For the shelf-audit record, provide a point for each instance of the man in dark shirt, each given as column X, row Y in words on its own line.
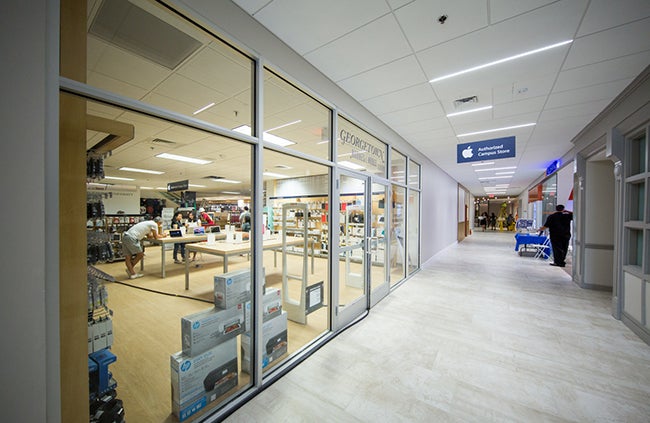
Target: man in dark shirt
column 559, row 228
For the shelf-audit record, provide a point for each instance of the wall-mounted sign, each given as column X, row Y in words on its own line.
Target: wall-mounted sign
column 553, row 167
column 498, row 148
column 178, row 186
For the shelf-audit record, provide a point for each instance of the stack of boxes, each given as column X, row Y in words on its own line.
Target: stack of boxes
column 274, row 330
column 207, row 367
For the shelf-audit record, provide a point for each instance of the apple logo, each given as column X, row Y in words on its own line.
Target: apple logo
column 467, row 153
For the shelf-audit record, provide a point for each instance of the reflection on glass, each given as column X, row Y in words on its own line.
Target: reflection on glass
column 182, row 68
column 378, row 236
column 132, row 184
column 637, row 155
column 397, row 167
column 352, row 240
column 636, row 200
column 296, row 260
column 358, row 150
column 414, row 231
column 397, row 249
column 414, row 175
column 293, row 119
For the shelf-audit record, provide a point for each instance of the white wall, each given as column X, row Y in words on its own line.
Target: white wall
column 22, row 174
column 565, row 186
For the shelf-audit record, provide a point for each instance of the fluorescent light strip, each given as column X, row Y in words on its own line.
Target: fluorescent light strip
column 483, row 164
column 225, row 181
column 273, row 139
column 133, row 169
column 204, row 108
column 495, row 168
column 497, row 62
column 182, row 158
column 146, row 188
column 504, row 173
column 118, row 178
column 231, row 192
column 350, row 165
column 196, row 186
column 496, row 130
column 469, row 111
column 275, row 175
column 285, row 125
column 494, row 177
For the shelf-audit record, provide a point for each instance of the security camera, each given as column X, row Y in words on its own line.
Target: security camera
column 442, row 19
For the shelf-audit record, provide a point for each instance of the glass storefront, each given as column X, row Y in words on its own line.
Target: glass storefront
column 168, row 137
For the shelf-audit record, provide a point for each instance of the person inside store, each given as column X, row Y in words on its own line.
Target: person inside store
column 206, row 220
column 246, row 224
column 559, row 229
column 132, row 248
column 177, row 223
column 191, row 223
column 244, row 214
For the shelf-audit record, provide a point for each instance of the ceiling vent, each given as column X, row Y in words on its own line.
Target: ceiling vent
column 214, row 178
column 463, row 101
column 125, row 25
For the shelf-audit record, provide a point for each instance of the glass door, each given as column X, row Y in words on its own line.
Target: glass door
column 352, row 289
column 377, row 251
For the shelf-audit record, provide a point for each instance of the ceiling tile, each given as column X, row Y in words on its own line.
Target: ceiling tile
column 419, row 20
column 382, row 80
column 503, row 9
column 621, row 41
column 605, row 14
column 323, row 21
column 372, row 45
column 601, row 72
column 414, row 114
column 592, row 93
column 516, row 108
column 401, row 99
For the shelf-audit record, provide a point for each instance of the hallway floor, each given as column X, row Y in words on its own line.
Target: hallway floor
column 480, row 334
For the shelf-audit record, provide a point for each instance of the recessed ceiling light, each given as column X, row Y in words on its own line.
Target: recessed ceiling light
column 478, row 109
column 497, row 62
column 285, row 125
column 133, row 169
column 226, row 181
column 231, row 192
column 204, row 108
column 146, row 187
column 495, row 168
column 483, row 164
column 275, row 175
column 351, row 165
column 504, row 173
column 196, row 186
column 183, row 158
column 505, row 128
column 281, row 166
column 493, row 177
column 273, row 139
column 118, row 178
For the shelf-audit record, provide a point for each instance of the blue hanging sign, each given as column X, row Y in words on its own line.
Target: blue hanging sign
column 553, row 167
column 498, row 148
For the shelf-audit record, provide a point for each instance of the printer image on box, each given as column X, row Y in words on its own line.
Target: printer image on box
column 199, row 380
column 206, row 329
column 232, row 288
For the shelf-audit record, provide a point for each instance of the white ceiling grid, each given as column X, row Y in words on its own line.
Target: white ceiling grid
column 384, row 53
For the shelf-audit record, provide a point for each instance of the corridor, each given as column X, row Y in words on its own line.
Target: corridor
column 479, row 334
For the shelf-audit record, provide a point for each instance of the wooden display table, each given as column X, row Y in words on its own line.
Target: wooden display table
column 227, row 249
column 185, row 239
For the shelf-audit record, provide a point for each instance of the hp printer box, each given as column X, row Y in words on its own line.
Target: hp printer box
column 274, row 342
column 206, row 329
column 271, row 306
column 232, row 288
column 200, row 380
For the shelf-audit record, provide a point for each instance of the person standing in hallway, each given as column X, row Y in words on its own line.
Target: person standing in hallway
column 559, row 228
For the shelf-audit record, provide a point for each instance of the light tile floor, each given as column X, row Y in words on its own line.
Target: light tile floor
column 479, row 335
